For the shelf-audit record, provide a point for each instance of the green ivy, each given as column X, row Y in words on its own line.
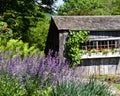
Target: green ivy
column 74, row 40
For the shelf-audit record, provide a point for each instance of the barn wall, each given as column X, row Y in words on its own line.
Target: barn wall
column 52, row 42
column 103, row 66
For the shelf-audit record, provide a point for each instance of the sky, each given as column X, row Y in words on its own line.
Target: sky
column 59, row 2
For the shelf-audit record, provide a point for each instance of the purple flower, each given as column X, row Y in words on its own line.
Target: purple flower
column 39, row 68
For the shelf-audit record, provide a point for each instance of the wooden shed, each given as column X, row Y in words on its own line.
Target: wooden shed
column 60, row 26
column 104, row 33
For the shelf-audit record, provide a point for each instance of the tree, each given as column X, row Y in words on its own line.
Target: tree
column 6, row 5
column 47, row 5
column 88, row 7
column 22, row 16
column 39, row 33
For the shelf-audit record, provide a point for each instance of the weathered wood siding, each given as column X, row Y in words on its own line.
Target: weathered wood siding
column 101, row 66
column 62, row 42
column 52, row 42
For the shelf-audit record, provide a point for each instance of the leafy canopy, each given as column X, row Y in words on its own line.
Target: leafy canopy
column 90, row 7
column 27, row 20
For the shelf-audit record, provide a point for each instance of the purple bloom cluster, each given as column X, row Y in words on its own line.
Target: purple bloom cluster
column 42, row 68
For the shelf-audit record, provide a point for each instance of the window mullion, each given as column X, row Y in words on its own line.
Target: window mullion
column 115, row 44
column 97, row 44
column 108, row 44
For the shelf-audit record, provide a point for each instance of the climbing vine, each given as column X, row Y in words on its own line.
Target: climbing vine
column 74, row 41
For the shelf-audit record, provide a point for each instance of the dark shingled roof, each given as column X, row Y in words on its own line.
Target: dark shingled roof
column 87, row 22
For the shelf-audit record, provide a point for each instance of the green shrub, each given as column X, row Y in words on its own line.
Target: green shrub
column 38, row 34
column 5, row 33
column 17, row 46
column 46, row 92
column 10, row 86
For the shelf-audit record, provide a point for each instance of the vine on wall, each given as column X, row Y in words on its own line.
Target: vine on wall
column 74, row 41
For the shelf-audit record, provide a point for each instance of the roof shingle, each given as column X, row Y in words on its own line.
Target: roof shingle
column 87, row 22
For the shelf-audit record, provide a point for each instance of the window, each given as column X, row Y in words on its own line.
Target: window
column 104, row 34
column 100, row 45
column 102, row 40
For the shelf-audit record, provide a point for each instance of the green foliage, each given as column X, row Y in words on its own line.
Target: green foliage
column 75, row 38
column 5, row 33
column 17, row 46
column 33, row 86
column 92, row 88
column 116, row 7
column 48, row 2
column 20, row 22
column 94, row 51
column 46, row 92
column 27, row 21
column 90, row 7
column 8, row 4
column 38, row 34
column 105, row 51
column 50, row 5
column 10, row 86
column 116, row 86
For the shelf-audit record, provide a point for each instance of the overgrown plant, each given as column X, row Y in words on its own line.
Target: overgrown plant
column 74, row 41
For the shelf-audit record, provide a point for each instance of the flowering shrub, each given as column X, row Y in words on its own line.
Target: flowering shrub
column 36, row 73
column 40, row 76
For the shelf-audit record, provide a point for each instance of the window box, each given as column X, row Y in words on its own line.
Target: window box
column 106, row 53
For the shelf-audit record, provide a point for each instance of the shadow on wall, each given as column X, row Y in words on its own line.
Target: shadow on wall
column 104, row 66
column 100, row 61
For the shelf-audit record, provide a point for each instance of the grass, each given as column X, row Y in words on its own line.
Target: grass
column 110, row 79
column 116, row 86
column 106, row 76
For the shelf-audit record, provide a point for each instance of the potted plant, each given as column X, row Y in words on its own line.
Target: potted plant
column 115, row 51
column 105, row 51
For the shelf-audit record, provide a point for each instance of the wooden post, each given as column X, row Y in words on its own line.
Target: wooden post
column 62, row 41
